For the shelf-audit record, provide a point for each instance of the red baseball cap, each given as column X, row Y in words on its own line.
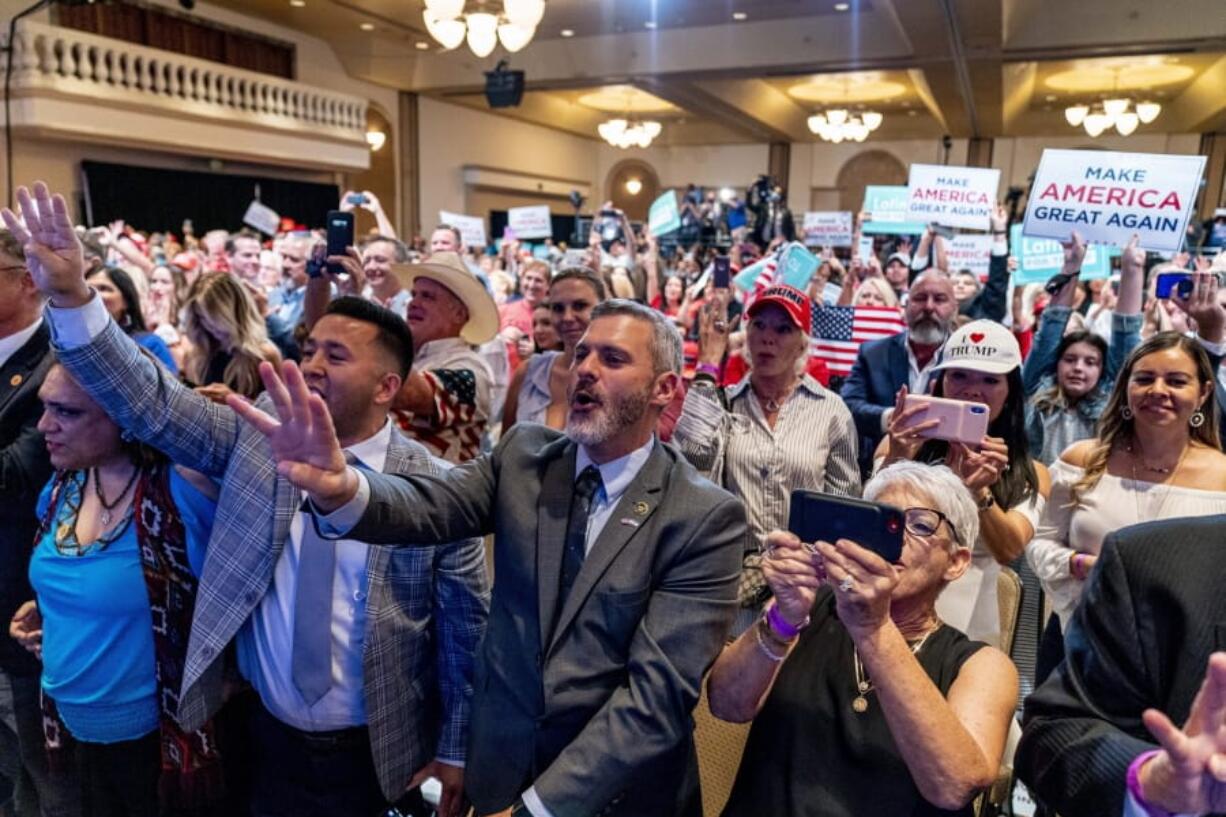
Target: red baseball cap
column 791, row 300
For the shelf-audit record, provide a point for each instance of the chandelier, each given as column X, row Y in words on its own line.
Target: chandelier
column 628, row 133
column 1112, row 113
column 837, row 125
column 514, row 28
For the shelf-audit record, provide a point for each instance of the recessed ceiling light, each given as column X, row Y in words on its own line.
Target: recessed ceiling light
column 297, row 3
column 568, row 32
column 367, row 26
column 1051, row 98
column 739, row 15
column 841, row 6
column 650, row 24
column 422, row 45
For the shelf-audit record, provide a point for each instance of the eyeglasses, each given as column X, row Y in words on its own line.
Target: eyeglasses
column 925, row 522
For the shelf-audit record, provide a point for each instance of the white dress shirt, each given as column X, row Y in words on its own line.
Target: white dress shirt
column 10, row 344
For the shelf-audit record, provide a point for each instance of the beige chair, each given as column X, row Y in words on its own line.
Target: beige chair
column 1009, row 602
column 719, row 745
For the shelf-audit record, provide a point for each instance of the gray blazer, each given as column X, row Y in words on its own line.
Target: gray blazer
column 595, row 712
column 417, row 666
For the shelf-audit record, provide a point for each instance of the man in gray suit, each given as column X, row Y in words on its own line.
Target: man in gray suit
column 362, row 656
column 616, row 568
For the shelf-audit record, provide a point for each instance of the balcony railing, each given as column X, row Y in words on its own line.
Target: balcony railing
column 63, row 63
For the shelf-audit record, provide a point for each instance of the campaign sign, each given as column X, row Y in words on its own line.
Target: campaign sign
column 886, row 206
column 970, row 252
column 952, row 196
column 827, row 229
column 747, row 278
column 530, row 222
column 472, row 228
column 262, row 217
column 796, row 266
column 1107, row 197
column 1041, row 258
column 663, row 217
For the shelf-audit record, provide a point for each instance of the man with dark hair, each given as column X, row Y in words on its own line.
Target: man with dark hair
column 361, row 656
column 25, row 357
column 243, row 254
column 446, row 238
column 617, row 569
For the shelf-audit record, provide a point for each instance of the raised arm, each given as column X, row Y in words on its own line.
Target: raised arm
column 1041, row 361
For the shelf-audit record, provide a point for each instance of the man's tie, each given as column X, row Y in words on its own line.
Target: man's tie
column 586, row 487
column 311, row 662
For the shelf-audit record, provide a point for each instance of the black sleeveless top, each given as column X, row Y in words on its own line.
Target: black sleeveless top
column 809, row 754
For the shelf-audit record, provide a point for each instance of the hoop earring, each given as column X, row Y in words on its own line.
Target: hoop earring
column 1197, row 419
column 1126, row 413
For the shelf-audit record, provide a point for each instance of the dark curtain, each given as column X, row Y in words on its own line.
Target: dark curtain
column 153, row 199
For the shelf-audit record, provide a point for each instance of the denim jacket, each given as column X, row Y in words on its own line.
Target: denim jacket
column 1039, row 370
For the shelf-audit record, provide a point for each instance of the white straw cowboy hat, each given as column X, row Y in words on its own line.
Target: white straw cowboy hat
column 449, row 270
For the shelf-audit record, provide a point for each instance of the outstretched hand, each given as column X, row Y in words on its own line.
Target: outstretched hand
column 53, row 251
column 302, row 437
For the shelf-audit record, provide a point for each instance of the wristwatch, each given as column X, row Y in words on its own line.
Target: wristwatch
column 986, row 503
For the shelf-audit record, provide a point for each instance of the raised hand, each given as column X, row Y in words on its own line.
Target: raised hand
column 999, row 219
column 302, row 438
column 907, row 430
column 794, row 578
column 1074, row 252
column 1188, row 776
column 1202, row 305
column 53, row 251
column 978, row 469
column 1132, row 259
column 864, row 606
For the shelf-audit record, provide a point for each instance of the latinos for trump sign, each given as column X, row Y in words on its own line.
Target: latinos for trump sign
column 1107, row 197
column 663, row 216
column 831, row 229
column 1040, row 258
column 886, row 206
column 952, row 196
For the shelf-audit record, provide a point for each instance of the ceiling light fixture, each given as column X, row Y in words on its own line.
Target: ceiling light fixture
column 1112, row 113
column 367, row 26
column 376, row 139
column 838, row 125
column 567, row 32
column 739, row 15
column 841, row 6
column 297, row 3
column 514, row 28
column 627, row 133
column 422, row 45
column 634, row 186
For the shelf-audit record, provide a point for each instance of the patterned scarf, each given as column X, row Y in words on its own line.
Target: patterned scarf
column 191, row 771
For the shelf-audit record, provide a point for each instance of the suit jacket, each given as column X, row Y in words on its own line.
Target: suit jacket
column 1153, row 611
column 880, row 370
column 417, row 661
column 595, row 711
column 24, row 470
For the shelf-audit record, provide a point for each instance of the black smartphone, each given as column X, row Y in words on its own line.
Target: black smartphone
column 829, row 517
column 1170, row 284
column 722, row 271
column 340, row 236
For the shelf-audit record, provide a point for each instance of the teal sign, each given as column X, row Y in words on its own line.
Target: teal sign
column 887, row 209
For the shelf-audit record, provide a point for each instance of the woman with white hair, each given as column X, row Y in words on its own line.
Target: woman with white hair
column 862, row 700
column 775, row 430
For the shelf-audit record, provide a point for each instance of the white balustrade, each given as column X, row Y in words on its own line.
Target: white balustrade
column 76, row 62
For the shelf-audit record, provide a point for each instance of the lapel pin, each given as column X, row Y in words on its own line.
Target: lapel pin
column 625, row 520
column 15, row 380
column 641, row 508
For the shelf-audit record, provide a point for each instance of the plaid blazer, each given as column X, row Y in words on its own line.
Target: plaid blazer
column 426, row 606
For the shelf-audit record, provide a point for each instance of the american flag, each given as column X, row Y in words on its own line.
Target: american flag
column 838, row 332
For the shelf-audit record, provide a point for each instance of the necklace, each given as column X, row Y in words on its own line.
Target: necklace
column 864, row 684
column 1136, row 457
column 107, row 507
column 772, row 405
column 1167, row 472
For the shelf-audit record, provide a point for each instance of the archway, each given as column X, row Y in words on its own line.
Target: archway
column 380, row 177
column 632, row 185
column 869, row 167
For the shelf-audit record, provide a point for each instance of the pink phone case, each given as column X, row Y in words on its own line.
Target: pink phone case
column 960, row 422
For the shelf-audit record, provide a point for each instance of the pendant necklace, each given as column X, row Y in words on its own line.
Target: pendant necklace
column 864, row 686
column 107, row 507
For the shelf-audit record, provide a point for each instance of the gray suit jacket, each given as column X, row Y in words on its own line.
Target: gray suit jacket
column 417, row 666
column 595, row 711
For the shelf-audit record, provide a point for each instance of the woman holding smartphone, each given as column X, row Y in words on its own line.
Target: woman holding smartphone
column 862, row 700
column 980, row 363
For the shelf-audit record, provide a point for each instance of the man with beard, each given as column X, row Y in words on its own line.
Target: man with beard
column 884, row 366
column 616, row 566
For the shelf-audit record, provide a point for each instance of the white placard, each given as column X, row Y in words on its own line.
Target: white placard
column 970, row 252
column 952, row 196
column 1107, row 197
column 262, row 217
column 827, row 229
column 530, row 222
column 865, row 250
column 472, row 228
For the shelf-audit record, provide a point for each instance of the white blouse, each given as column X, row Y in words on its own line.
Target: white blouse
column 1112, row 504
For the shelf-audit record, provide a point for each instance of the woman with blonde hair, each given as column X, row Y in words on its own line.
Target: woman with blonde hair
column 222, row 322
column 874, row 292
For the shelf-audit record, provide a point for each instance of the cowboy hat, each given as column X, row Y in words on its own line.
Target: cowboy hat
column 449, row 270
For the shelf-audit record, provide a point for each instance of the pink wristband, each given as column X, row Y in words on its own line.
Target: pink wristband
column 780, row 625
column 708, row 368
column 1134, row 784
